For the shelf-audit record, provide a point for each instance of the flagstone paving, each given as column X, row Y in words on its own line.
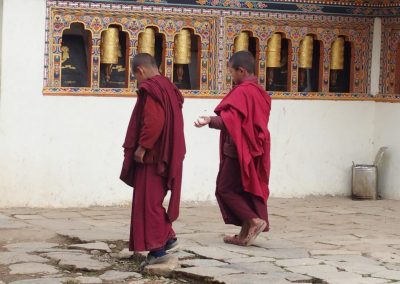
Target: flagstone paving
column 312, row 240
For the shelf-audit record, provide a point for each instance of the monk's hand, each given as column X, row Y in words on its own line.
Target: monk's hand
column 139, row 154
column 202, row 121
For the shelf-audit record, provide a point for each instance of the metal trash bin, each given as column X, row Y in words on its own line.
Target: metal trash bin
column 365, row 182
column 365, row 179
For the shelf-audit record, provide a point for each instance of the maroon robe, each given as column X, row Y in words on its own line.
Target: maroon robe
column 157, row 125
column 242, row 184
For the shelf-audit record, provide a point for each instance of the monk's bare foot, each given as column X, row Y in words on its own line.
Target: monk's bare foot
column 234, row 240
column 256, row 227
column 244, row 231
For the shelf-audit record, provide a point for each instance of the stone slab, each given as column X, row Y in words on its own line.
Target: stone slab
column 29, row 217
column 215, row 253
column 95, row 234
column 41, row 281
column 386, row 256
column 101, row 246
column 357, row 267
column 16, row 257
column 32, row 268
column 202, row 262
column 30, row 246
column 327, row 273
column 88, row 280
column 113, row 275
column 208, row 272
column 298, row 262
column 250, row 259
column 78, row 261
column 251, row 278
column 123, row 254
column 61, row 215
column 255, row 267
column 162, row 269
column 182, row 254
column 334, row 252
column 11, row 224
column 388, row 274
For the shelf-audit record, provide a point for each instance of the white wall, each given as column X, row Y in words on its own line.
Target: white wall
column 1, row 38
column 314, row 144
column 54, row 151
column 66, row 151
column 387, row 133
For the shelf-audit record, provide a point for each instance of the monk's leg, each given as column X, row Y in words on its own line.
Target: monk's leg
column 231, row 198
column 150, row 226
column 257, row 225
column 238, row 207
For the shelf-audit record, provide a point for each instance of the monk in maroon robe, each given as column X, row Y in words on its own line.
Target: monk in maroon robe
column 242, row 183
column 154, row 152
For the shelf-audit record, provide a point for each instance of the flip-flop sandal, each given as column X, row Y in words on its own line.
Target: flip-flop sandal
column 249, row 240
column 234, row 240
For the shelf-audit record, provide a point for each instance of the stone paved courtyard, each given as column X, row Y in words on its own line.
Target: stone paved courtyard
column 312, row 240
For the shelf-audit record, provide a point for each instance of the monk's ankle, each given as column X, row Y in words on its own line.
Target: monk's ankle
column 254, row 222
column 243, row 232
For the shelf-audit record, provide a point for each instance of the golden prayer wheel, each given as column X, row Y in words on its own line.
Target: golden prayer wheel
column 147, row 41
column 242, row 42
column 337, row 58
column 306, row 52
column 182, row 49
column 274, row 51
column 110, row 47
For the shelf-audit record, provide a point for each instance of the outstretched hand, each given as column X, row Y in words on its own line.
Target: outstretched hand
column 202, row 121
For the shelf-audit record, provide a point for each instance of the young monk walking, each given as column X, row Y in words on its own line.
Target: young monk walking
column 242, row 183
column 154, row 151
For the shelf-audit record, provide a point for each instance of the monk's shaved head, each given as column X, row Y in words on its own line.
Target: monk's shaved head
column 243, row 59
column 143, row 60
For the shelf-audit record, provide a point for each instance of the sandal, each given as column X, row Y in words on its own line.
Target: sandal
column 252, row 235
column 150, row 260
column 234, row 240
column 171, row 244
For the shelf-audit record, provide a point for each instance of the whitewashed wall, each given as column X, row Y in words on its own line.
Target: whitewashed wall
column 313, row 146
column 387, row 133
column 66, row 151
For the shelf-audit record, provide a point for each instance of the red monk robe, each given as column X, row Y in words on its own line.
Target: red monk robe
column 242, row 183
column 156, row 125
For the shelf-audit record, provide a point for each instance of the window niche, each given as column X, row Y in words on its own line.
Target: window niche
column 186, row 73
column 278, row 58
column 245, row 41
column 309, row 75
column 114, row 58
column 153, row 43
column 341, row 66
column 76, row 49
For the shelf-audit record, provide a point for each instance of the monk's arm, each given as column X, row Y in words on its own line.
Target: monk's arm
column 217, row 123
column 153, row 123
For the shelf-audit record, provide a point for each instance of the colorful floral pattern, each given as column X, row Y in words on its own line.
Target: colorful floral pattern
column 390, row 54
column 234, row 4
column 217, row 31
column 262, row 4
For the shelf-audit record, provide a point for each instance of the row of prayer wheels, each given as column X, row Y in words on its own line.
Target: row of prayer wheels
column 305, row 54
column 110, row 47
